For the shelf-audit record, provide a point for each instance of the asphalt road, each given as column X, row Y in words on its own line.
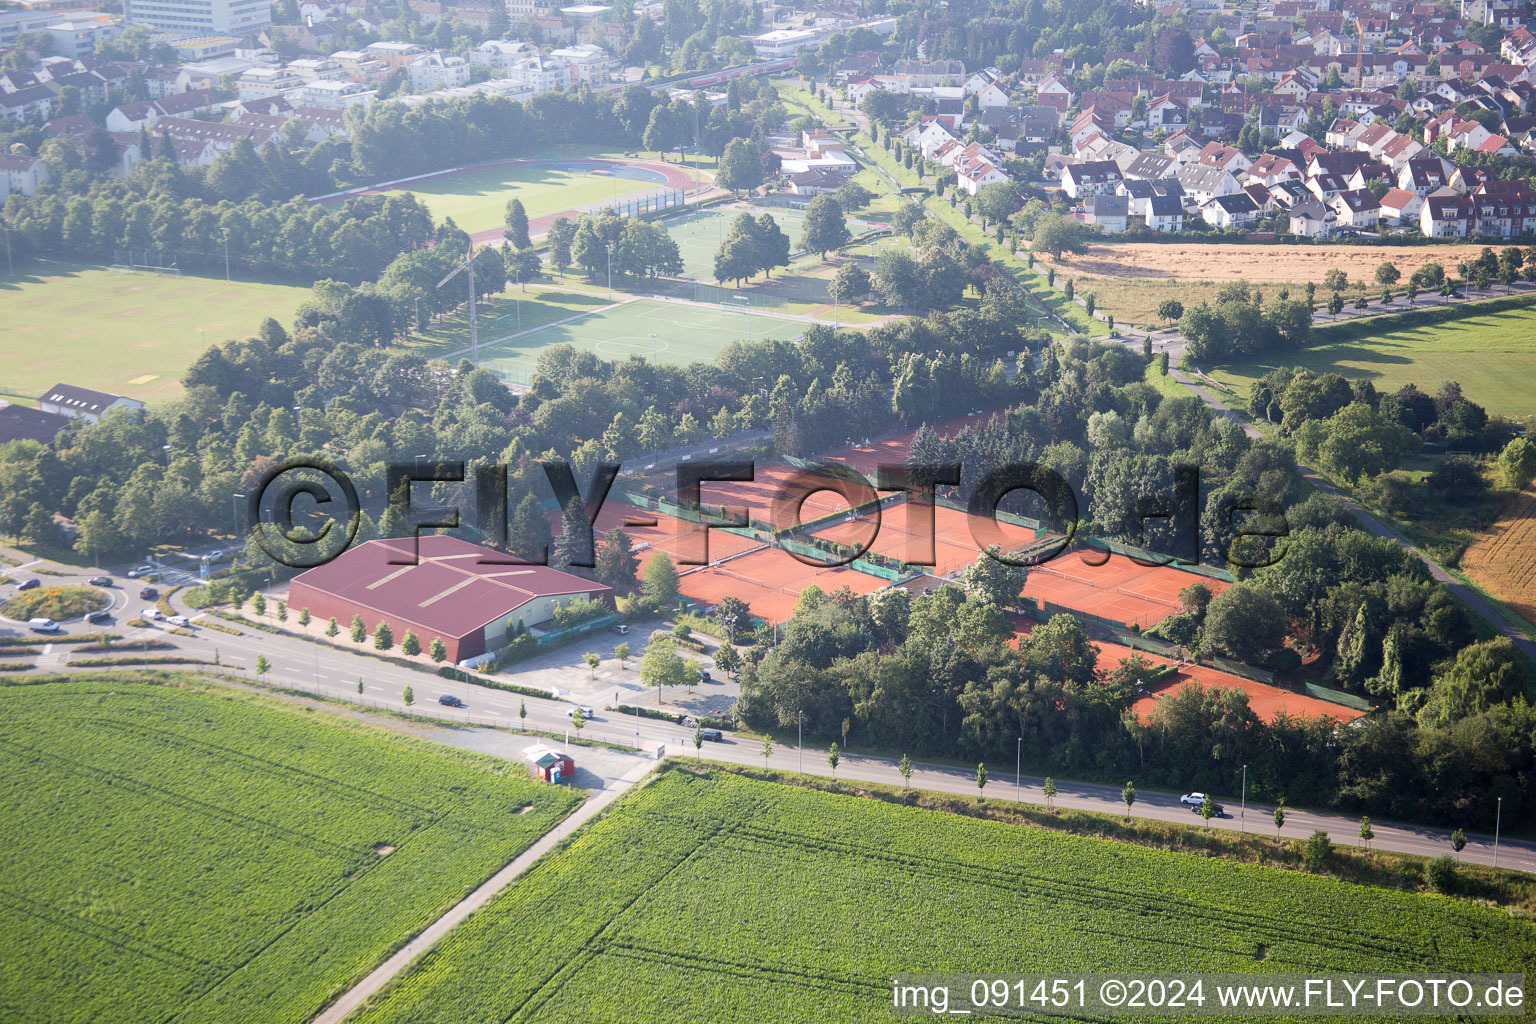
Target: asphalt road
column 334, row 672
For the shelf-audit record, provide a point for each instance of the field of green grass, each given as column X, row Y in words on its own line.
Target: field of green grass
column 1492, row 355
column 684, row 334
column 698, row 235
column 177, row 850
column 132, row 334
column 477, row 200
column 502, row 314
column 708, row 897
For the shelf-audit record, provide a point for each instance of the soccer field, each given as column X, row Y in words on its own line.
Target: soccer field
column 669, row 332
column 477, row 200
column 708, row 897
column 132, row 334
column 698, row 235
column 1493, row 356
column 177, row 850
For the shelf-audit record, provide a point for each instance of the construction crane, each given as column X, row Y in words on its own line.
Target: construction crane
column 474, row 323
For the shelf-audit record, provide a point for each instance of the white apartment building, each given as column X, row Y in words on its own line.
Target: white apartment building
column 201, row 17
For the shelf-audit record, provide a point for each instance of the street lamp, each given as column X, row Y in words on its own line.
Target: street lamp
column 1243, row 810
column 800, row 748
column 1018, row 762
column 1497, row 822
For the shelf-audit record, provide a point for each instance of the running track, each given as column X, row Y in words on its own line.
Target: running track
column 674, row 175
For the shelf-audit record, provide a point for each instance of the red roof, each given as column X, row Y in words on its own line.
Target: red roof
column 455, row 587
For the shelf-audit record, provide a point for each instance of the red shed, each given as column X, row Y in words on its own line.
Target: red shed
column 554, row 766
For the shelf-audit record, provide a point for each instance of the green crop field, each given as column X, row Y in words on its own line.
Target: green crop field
column 711, row 898
column 1493, row 356
column 132, row 334
column 684, row 334
column 177, row 850
column 477, row 200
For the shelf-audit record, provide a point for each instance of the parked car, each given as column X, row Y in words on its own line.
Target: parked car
column 704, row 675
column 586, row 712
column 148, row 594
column 31, row 584
column 449, row 700
column 621, row 629
column 179, row 620
column 100, row 581
column 100, row 615
column 42, row 625
column 713, row 735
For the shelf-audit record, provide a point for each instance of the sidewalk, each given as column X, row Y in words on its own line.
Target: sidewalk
column 355, row 996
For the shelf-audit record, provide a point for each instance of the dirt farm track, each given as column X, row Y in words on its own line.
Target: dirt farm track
column 1290, row 264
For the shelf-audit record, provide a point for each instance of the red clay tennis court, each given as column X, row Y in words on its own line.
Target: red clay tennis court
column 768, row 482
column 899, row 536
column 1119, row 589
column 770, row 581
column 1265, row 700
column 677, row 537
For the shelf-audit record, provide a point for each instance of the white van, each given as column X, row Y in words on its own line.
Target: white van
column 42, row 625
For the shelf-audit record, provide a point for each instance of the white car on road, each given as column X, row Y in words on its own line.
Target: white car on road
column 587, row 712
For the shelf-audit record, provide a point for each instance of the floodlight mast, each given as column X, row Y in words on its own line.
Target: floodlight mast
column 474, row 323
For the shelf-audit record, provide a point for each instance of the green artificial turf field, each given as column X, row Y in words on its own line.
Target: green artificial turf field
column 1492, row 355
column 477, row 200
column 182, row 851
column 131, row 334
column 707, row 897
column 684, row 334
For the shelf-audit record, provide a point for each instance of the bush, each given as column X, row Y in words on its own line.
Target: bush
column 58, row 603
column 1317, row 852
column 1440, row 874
column 576, row 611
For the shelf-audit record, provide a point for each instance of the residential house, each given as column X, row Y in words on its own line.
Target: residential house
column 1110, row 214
column 1090, row 178
column 1166, row 214
column 33, row 104
column 1203, row 182
column 1424, row 174
column 1400, row 207
column 1357, row 208
column 1446, row 216
column 436, row 70
column 22, row 173
column 1310, row 218
column 1235, row 211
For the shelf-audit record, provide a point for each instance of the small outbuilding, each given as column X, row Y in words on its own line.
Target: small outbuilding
column 555, row 766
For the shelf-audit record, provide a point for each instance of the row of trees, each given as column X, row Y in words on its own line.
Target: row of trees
column 939, row 675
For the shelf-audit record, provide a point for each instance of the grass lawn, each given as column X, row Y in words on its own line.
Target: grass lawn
column 698, row 235
column 477, row 200
column 178, row 850
column 1135, row 300
column 683, row 334
column 709, row 897
column 1493, row 356
column 500, row 315
column 132, row 334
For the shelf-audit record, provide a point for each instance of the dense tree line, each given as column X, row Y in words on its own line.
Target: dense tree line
column 940, row 675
